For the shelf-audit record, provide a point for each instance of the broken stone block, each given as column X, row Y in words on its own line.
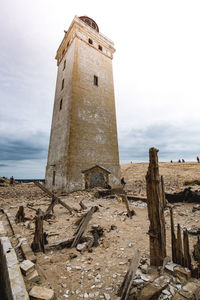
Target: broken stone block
column 33, row 276
column 190, row 291
column 3, row 232
column 154, row 289
column 81, row 247
column 183, row 274
column 27, row 267
column 41, row 293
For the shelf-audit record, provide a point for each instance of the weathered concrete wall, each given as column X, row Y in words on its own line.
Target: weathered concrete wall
column 11, row 277
column 84, row 134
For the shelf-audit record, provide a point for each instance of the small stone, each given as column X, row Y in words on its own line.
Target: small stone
column 91, row 295
column 106, row 296
column 33, row 276
column 96, row 294
column 78, row 268
column 41, row 293
column 144, row 268
column 85, row 296
column 137, row 281
column 27, row 267
column 98, row 278
column 130, row 244
column 69, row 269
column 114, row 276
column 166, row 292
column 81, row 247
column 122, row 249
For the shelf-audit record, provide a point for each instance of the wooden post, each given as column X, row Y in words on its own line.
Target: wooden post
column 163, row 191
column 179, row 247
column 173, row 237
column 124, row 197
column 187, row 257
column 157, row 234
column 128, row 279
column 20, row 216
column 38, row 241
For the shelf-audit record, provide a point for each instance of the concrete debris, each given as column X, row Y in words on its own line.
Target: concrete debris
column 41, row 293
column 27, row 267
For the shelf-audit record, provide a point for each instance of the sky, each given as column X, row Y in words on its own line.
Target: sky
column 156, row 71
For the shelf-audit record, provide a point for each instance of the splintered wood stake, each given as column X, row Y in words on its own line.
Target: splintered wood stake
column 157, row 234
column 173, row 236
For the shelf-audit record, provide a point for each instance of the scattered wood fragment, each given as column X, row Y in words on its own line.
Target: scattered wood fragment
column 157, row 233
column 20, row 216
column 83, row 206
column 185, row 196
column 108, row 192
column 187, row 257
column 124, row 197
column 136, row 198
column 38, row 241
column 50, row 194
column 128, row 279
column 173, row 237
column 83, row 225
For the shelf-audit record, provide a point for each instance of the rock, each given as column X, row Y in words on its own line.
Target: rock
column 85, row 296
column 166, row 292
column 130, row 244
column 33, row 276
column 106, row 296
column 182, row 273
column 81, row 247
column 41, row 293
column 144, row 268
column 27, row 267
column 190, row 291
column 98, row 278
column 170, row 267
column 154, row 289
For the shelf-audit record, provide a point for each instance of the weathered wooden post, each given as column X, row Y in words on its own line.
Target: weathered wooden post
column 179, row 247
column 187, row 257
column 173, row 237
column 163, row 191
column 38, row 241
column 157, row 234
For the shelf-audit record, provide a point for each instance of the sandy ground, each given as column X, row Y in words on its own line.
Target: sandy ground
column 91, row 275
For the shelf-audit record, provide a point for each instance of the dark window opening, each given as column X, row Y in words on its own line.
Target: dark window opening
column 64, row 65
column 90, row 41
column 63, row 83
column 95, row 80
column 100, row 48
column 61, row 102
column 54, row 177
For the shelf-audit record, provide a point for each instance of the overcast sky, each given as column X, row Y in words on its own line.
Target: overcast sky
column 156, row 75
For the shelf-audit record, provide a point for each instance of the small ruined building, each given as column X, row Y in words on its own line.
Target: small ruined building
column 83, row 131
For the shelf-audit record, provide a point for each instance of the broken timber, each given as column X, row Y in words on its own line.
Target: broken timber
column 173, row 237
column 54, row 197
column 128, row 279
column 38, row 241
column 157, row 234
column 83, row 225
column 20, row 216
column 124, row 197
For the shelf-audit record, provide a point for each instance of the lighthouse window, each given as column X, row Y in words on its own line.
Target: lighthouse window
column 54, row 178
column 90, row 41
column 100, row 48
column 61, row 102
column 63, row 82
column 95, row 80
column 64, row 65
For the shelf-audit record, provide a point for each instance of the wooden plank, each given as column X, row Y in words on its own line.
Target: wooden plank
column 186, row 247
column 173, row 237
column 50, row 194
column 128, row 279
column 157, row 233
column 124, row 197
column 82, row 226
column 179, row 247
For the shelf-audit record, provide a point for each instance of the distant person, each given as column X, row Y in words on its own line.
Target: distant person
column 179, row 160
column 123, row 183
column 197, row 159
column 171, row 161
column 11, row 180
column 183, row 160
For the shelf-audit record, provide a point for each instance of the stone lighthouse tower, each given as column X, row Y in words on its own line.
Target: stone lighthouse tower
column 83, row 148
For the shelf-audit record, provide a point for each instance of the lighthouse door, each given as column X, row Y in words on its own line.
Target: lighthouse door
column 97, row 179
